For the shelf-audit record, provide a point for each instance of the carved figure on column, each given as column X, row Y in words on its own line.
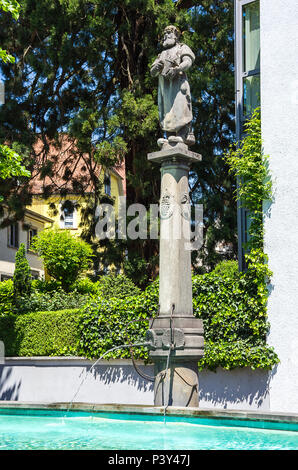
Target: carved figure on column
column 174, row 99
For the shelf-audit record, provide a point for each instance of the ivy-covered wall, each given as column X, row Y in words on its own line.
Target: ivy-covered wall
column 232, row 306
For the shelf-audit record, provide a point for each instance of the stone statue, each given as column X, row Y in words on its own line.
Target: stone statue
column 174, row 99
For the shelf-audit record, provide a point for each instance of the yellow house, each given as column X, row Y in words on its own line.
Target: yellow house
column 66, row 211
column 63, row 207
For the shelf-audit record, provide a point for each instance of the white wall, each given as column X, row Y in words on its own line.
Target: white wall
column 7, row 254
column 279, row 104
column 52, row 380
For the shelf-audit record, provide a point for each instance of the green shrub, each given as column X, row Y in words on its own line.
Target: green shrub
column 86, row 286
column 114, row 322
column 6, row 297
column 51, row 301
column 119, row 286
column 42, row 285
column 64, row 256
column 233, row 311
column 22, row 274
column 226, row 269
column 41, row 333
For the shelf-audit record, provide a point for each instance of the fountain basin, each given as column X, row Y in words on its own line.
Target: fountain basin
column 124, row 427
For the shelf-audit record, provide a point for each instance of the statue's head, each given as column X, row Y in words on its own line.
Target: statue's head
column 171, row 36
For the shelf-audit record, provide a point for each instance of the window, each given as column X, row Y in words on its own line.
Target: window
column 248, row 86
column 6, row 277
column 68, row 215
column 251, row 57
column 247, row 53
column 107, row 184
column 13, row 235
column 34, row 274
column 32, row 232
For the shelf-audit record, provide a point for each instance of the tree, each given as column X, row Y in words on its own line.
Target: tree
column 83, row 70
column 10, row 161
column 65, row 257
column 22, row 274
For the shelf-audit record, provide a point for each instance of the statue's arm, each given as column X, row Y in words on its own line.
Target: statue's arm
column 185, row 64
column 156, row 67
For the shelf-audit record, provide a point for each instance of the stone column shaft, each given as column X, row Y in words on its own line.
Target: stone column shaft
column 176, row 337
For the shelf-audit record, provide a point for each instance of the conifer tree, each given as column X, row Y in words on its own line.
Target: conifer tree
column 22, row 274
column 82, row 68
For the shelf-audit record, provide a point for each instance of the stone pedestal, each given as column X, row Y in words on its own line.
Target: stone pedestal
column 176, row 337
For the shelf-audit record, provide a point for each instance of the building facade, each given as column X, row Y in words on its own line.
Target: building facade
column 267, row 74
column 22, row 232
column 62, row 209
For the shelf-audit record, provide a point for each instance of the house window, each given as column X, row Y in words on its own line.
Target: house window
column 107, row 184
column 34, row 274
column 68, row 215
column 32, row 232
column 13, row 235
column 247, row 28
column 248, row 86
column 251, row 57
column 6, row 277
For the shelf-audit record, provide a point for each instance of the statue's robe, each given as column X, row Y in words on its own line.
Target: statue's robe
column 174, row 99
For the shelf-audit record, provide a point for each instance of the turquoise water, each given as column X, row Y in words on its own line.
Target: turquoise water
column 34, row 430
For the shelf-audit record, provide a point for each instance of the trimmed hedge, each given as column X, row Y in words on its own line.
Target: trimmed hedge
column 41, row 333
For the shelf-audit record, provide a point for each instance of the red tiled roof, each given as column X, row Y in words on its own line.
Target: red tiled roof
column 68, row 168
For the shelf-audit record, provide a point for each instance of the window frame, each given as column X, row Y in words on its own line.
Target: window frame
column 74, row 218
column 240, row 74
column 106, row 177
column 16, row 243
column 29, row 249
column 239, row 65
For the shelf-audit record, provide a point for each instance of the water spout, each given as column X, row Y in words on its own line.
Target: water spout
column 97, row 361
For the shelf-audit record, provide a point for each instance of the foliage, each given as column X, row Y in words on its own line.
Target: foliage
column 50, row 301
column 233, row 310
column 22, row 274
column 45, row 285
column 6, row 297
column 85, row 286
column 212, row 88
column 226, row 269
column 82, row 69
column 10, row 161
column 13, row 7
column 248, row 163
column 41, row 333
column 114, row 322
column 120, row 286
column 65, row 257
column 237, row 354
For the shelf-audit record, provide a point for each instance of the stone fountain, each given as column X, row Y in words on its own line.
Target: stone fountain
column 176, row 336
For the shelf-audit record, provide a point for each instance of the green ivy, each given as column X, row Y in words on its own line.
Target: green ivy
column 249, row 164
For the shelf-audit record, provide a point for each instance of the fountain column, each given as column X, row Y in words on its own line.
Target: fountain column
column 176, row 336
